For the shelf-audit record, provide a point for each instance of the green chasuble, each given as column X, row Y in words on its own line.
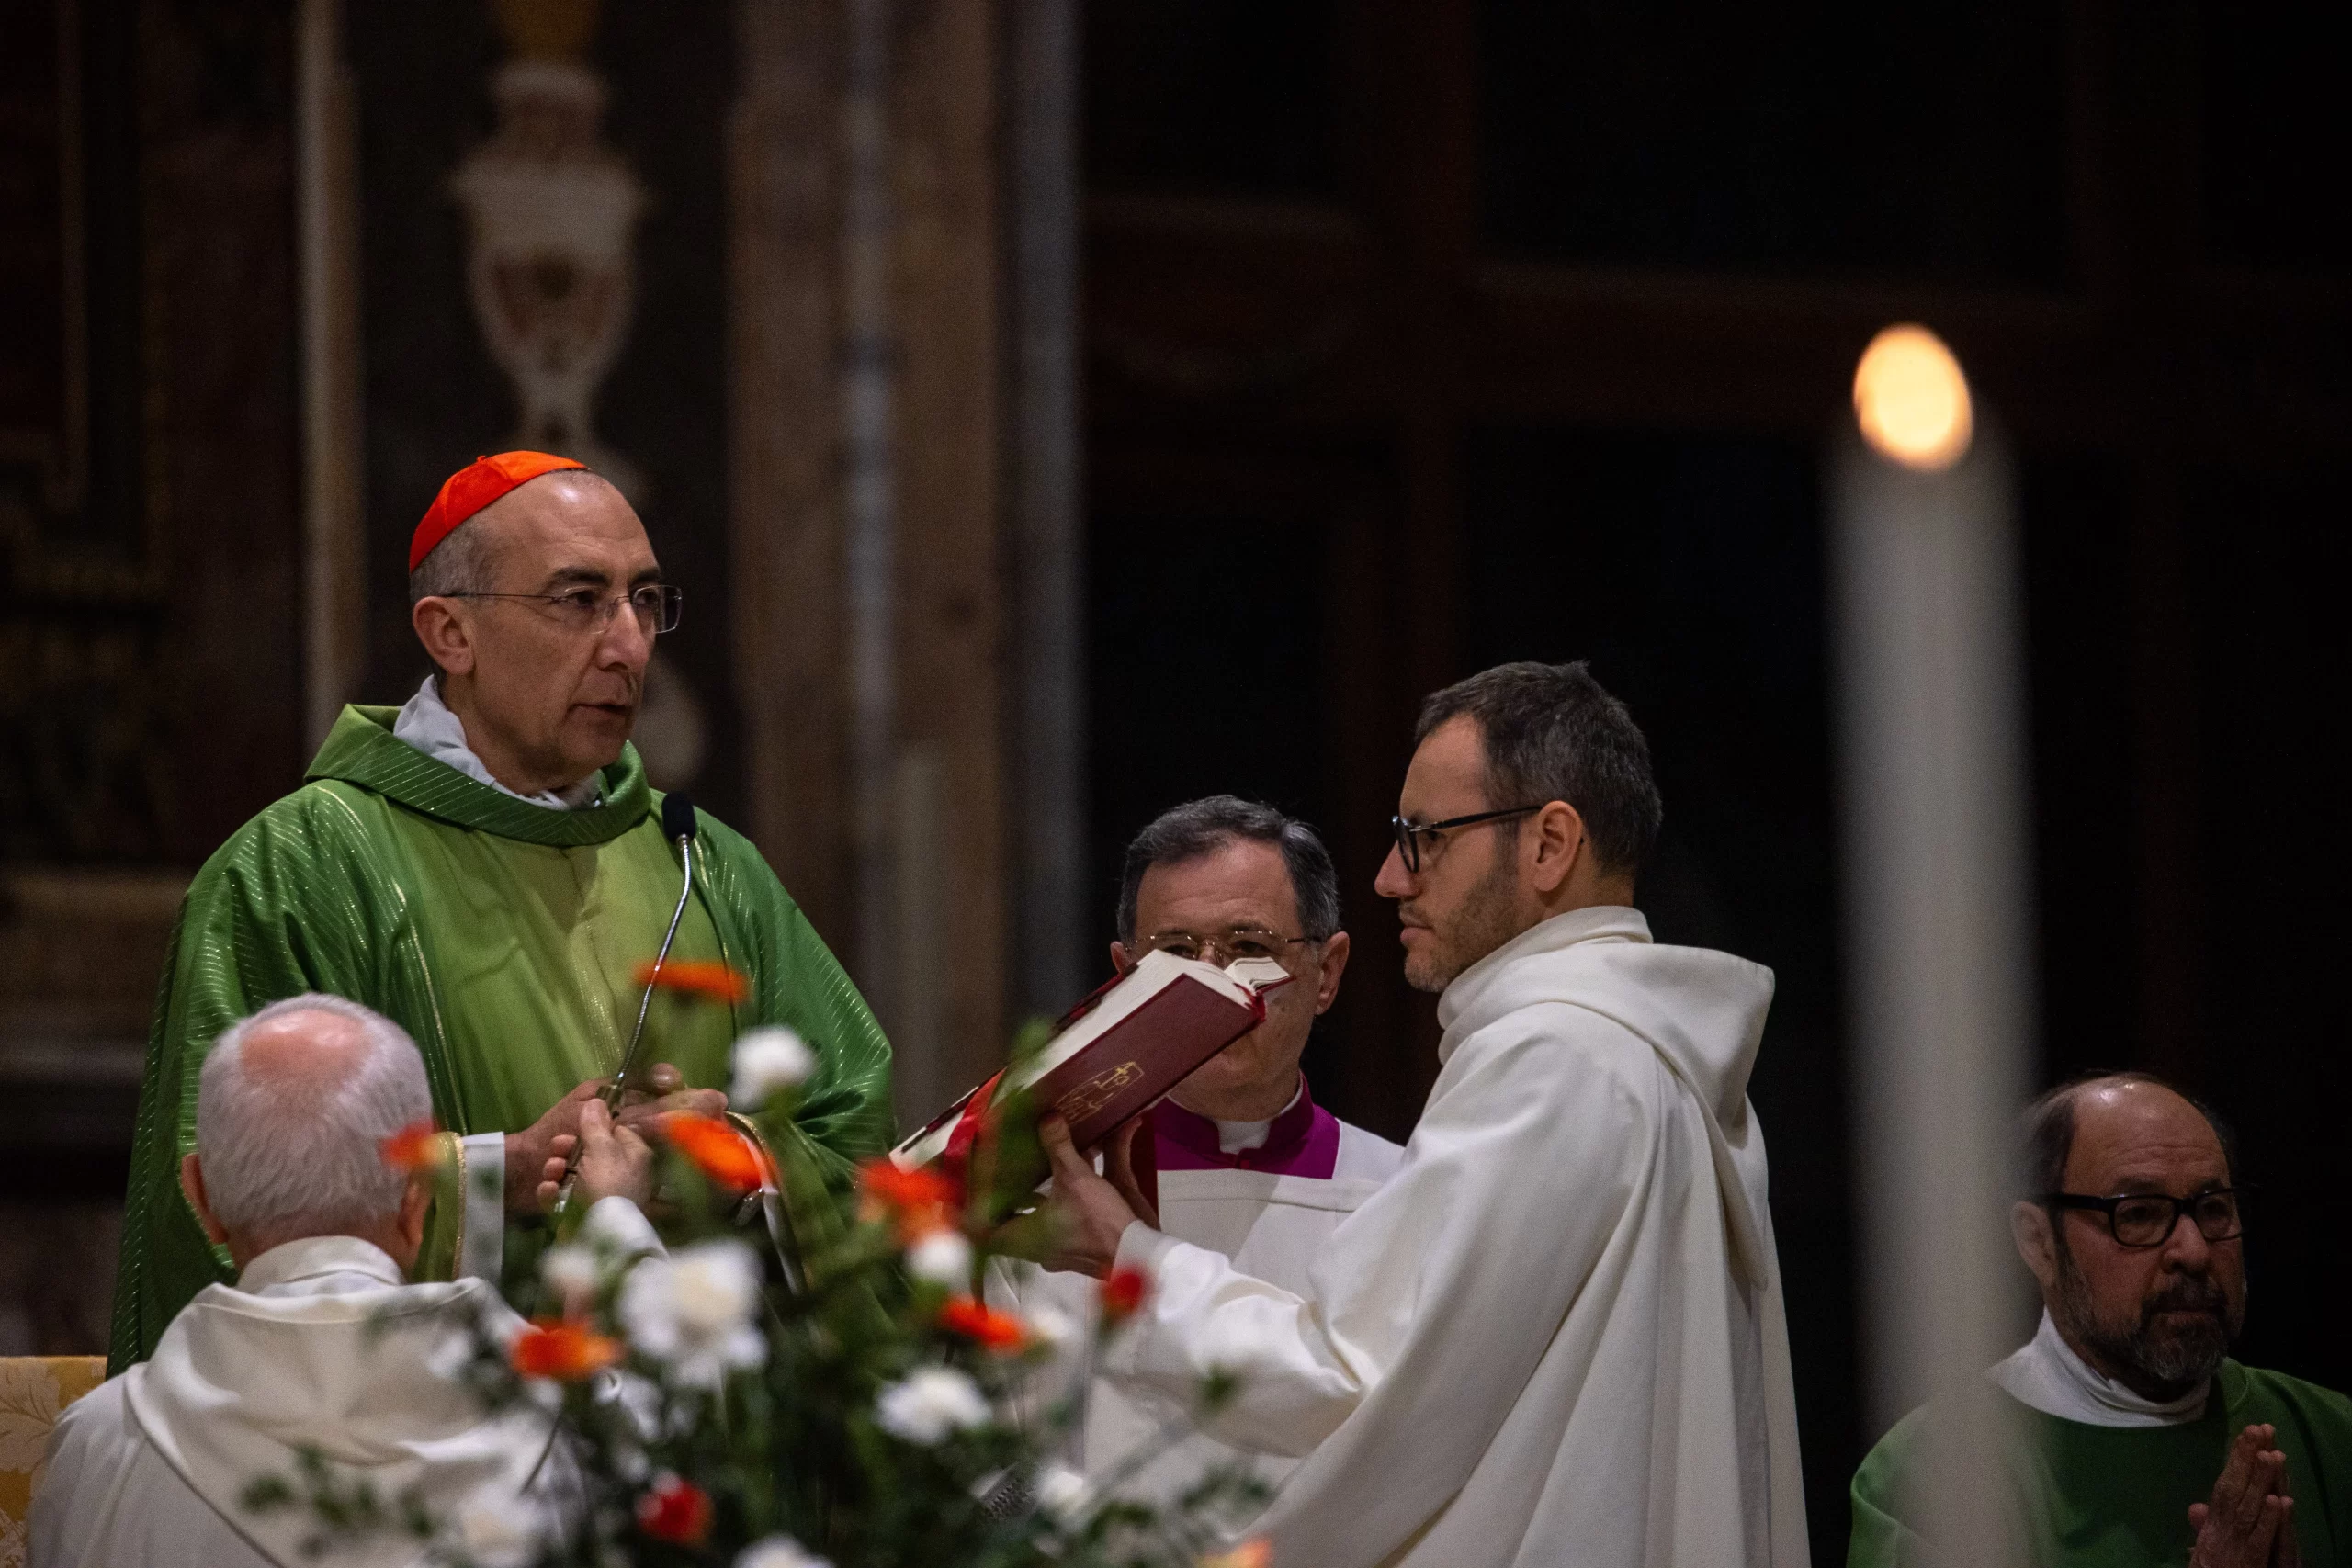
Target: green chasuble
column 2119, row 1496
column 504, row 937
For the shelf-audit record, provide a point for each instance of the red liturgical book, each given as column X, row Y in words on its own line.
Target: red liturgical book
column 1118, row 1051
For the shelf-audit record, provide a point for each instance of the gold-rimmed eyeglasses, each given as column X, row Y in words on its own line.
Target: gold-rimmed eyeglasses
column 1221, row 947
column 657, row 605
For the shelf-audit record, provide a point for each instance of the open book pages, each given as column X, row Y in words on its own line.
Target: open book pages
column 1161, row 1020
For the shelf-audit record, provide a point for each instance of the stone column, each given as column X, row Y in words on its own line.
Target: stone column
column 874, row 580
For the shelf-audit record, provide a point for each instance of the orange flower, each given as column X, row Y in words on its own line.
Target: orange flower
column 675, row 1510
column 1123, row 1293
column 718, row 1150
column 917, row 1200
column 999, row 1331
column 564, row 1351
column 1257, row 1553
column 711, row 981
column 415, row 1148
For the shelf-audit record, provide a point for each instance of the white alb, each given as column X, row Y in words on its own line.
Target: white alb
column 321, row 1342
column 1556, row 1334
column 1271, row 1227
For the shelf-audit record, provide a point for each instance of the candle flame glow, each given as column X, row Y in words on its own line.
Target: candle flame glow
column 1912, row 401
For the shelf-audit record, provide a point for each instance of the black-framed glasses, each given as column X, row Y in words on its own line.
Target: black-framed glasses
column 1233, row 942
column 657, row 605
column 2147, row 1219
column 1411, row 834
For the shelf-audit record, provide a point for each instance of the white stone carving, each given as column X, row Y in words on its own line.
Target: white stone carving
column 553, row 213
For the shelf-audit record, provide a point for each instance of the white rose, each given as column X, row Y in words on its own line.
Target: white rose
column 1053, row 1328
column 694, row 1311
column 779, row 1552
column 1063, row 1495
column 929, row 1402
column 570, row 1271
column 498, row 1535
column 766, row 1060
column 942, row 1257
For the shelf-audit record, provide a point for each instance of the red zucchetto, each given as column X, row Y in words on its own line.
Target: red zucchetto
column 474, row 487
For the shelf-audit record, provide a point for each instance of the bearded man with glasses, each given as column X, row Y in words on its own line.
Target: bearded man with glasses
column 2132, row 1438
column 487, row 867
column 1556, row 1334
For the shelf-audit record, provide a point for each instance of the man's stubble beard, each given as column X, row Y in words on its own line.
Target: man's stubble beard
column 2171, row 1355
column 1488, row 919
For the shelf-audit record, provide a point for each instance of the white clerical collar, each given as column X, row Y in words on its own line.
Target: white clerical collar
column 427, row 723
column 306, row 1267
column 2048, row 1376
column 1233, row 1137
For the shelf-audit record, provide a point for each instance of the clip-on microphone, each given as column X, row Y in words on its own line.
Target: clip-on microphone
column 678, row 827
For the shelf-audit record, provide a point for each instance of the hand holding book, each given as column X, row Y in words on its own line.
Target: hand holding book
column 1116, row 1054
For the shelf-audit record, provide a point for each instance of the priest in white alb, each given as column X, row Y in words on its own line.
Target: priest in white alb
column 1556, row 1335
column 322, row 1343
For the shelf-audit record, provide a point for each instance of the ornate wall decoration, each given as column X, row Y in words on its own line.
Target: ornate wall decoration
column 552, row 213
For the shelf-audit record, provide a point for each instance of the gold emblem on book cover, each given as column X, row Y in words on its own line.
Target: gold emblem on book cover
column 1097, row 1092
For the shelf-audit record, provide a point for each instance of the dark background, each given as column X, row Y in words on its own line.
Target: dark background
column 433, row 395
column 1425, row 336
column 1416, row 334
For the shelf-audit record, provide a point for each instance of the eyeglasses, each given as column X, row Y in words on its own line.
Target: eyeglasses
column 2143, row 1220
column 657, row 606
column 1233, row 942
column 1409, row 834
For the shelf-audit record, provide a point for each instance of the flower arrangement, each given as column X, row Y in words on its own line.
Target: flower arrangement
column 831, row 1388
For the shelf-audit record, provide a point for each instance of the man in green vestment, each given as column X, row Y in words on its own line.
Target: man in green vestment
column 2132, row 1438
column 486, row 866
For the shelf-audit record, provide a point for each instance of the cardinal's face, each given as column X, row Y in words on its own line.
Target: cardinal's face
column 555, row 680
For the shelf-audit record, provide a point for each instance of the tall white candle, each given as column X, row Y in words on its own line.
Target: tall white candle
column 1927, row 627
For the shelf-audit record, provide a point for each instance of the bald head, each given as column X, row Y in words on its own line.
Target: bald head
column 2109, row 1116
column 292, row 1109
column 302, row 1057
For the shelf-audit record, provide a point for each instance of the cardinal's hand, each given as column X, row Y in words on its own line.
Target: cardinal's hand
column 614, row 1162
column 543, row 1151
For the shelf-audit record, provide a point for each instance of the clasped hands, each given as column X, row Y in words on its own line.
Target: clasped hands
column 615, row 1158
column 2250, row 1523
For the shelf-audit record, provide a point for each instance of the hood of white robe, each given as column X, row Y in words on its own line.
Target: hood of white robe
column 321, row 1344
column 1701, row 1011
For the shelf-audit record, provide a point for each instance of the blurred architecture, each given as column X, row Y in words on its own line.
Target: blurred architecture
column 1055, row 414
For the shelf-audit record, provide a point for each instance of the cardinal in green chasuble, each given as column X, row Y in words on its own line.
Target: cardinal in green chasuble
column 486, row 866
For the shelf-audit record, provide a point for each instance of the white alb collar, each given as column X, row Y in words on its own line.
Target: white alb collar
column 426, row 723
column 1594, row 922
column 2048, row 1376
column 299, row 1264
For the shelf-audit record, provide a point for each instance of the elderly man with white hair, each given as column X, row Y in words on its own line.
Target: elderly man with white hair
column 321, row 1343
